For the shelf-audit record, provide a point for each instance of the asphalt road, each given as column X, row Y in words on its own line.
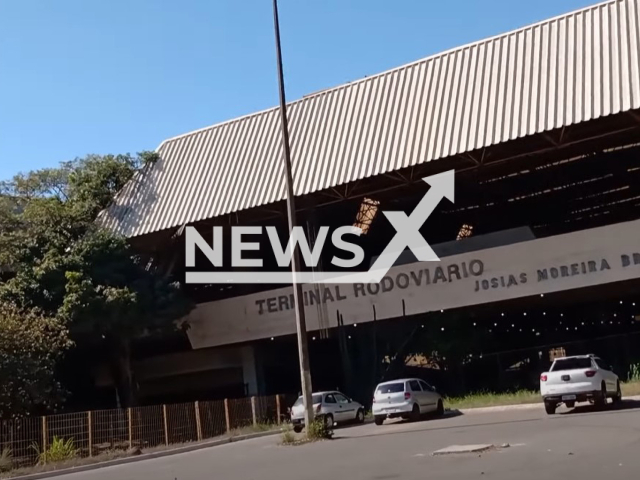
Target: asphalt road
column 582, row 444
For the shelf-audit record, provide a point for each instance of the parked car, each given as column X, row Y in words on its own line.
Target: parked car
column 334, row 407
column 578, row 379
column 407, row 398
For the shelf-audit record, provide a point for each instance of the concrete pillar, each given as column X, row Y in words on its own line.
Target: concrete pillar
column 249, row 372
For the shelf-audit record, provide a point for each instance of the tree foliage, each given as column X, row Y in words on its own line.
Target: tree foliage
column 30, row 346
column 59, row 262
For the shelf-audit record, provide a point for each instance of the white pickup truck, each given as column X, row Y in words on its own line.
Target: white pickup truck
column 578, row 379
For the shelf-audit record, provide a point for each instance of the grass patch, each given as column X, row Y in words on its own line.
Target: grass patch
column 257, row 428
column 630, row 389
column 490, row 399
column 60, row 450
column 316, row 431
column 520, row 397
column 236, row 432
column 6, row 460
column 69, row 463
column 288, row 436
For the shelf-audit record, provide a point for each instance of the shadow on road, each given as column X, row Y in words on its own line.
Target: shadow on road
column 623, row 405
column 347, row 425
column 429, row 418
column 428, row 427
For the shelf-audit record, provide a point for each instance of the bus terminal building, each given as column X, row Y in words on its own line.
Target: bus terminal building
column 539, row 254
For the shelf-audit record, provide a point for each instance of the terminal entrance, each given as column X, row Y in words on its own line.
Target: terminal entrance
column 491, row 348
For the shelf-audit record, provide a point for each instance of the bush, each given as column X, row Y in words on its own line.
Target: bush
column 287, row 436
column 318, row 430
column 59, row 451
column 6, row 460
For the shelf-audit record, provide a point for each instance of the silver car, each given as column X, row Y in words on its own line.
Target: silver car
column 407, row 398
column 333, row 406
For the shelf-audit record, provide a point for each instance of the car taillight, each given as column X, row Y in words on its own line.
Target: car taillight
column 407, row 395
column 318, row 408
column 590, row 373
column 543, row 378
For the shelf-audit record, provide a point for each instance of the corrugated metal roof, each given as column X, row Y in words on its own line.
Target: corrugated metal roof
column 566, row 70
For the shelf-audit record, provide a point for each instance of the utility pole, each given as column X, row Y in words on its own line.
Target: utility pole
column 303, row 348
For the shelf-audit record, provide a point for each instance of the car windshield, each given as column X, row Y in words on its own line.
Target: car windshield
column 391, row 388
column 317, row 398
column 571, row 364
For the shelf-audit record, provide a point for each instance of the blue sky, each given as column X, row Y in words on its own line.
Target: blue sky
column 79, row 77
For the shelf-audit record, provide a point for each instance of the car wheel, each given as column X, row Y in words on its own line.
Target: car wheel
column 360, row 416
column 601, row 399
column 618, row 397
column 297, row 428
column 415, row 413
column 378, row 419
column 440, row 408
column 550, row 408
column 328, row 421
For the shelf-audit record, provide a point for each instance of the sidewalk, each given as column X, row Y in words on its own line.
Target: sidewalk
column 525, row 406
column 146, row 456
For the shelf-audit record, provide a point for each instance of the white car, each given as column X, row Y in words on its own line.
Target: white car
column 578, row 379
column 334, row 407
column 406, row 398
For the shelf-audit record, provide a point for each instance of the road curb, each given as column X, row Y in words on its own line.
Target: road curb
column 501, row 408
column 145, row 456
column 521, row 406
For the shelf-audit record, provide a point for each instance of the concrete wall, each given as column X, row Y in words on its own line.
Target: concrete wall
column 565, row 262
column 152, row 370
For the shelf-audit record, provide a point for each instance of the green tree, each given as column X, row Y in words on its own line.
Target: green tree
column 30, row 346
column 62, row 263
column 112, row 296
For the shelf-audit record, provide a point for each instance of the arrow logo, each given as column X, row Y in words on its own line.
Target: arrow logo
column 408, row 227
column 407, row 236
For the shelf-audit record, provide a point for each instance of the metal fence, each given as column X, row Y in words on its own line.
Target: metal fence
column 93, row 433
